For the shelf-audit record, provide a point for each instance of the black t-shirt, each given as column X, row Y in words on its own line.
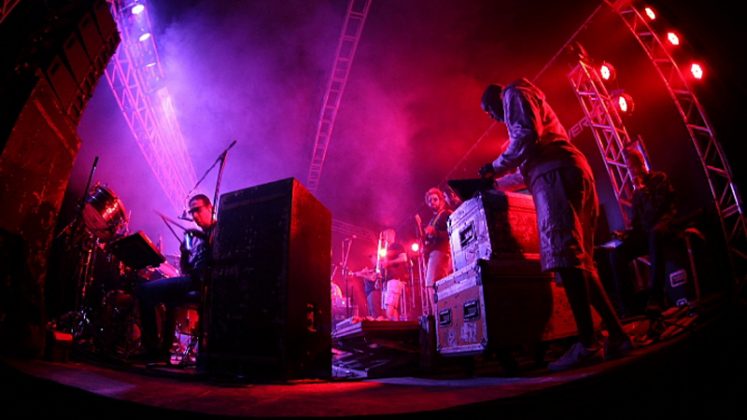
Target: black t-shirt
column 396, row 270
column 653, row 203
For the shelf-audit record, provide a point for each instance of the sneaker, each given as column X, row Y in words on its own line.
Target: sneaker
column 576, row 356
column 614, row 348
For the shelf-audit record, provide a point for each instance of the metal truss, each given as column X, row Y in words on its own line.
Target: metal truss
column 608, row 129
column 6, row 7
column 346, row 47
column 134, row 76
column 725, row 194
column 348, row 229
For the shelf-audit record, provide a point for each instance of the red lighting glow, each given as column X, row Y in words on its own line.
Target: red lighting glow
column 650, row 13
column 673, row 38
column 415, row 247
column 137, row 9
column 624, row 103
column 696, row 70
column 607, row 71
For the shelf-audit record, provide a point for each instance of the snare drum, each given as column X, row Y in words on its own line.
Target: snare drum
column 104, row 214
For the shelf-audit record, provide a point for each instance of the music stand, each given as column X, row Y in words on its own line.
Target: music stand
column 137, row 251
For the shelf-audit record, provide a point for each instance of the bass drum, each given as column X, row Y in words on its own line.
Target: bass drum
column 118, row 331
column 104, row 214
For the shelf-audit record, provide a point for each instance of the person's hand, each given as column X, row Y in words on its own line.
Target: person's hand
column 487, row 171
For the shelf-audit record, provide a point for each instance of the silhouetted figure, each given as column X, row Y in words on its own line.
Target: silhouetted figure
column 562, row 185
column 651, row 231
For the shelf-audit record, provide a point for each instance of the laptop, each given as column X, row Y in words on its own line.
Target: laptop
column 465, row 189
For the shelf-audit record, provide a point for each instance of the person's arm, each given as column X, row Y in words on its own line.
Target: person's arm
column 512, row 181
column 522, row 123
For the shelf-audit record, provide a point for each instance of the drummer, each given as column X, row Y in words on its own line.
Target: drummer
column 195, row 253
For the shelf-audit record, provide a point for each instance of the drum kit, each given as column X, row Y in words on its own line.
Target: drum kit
column 105, row 317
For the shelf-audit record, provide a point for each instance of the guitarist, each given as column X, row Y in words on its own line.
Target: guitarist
column 436, row 242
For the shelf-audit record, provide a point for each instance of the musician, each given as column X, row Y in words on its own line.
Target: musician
column 372, row 292
column 393, row 268
column 195, row 259
column 436, row 242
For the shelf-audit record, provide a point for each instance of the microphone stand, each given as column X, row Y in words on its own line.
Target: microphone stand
column 347, row 243
column 222, row 160
column 170, row 222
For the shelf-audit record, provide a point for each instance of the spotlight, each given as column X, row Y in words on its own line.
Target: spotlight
column 673, row 38
column 382, row 252
column 649, row 12
column 607, row 71
column 623, row 102
column 415, row 247
column 137, row 9
column 144, row 37
column 696, row 70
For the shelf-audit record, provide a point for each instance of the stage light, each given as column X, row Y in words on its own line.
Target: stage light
column 650, row 13
column 382, row 252
column 607, row 71
column 144, row 37
column 673, row 38
column 696, row 70
column 137, row 9
column 623, row 102
column 415, row 247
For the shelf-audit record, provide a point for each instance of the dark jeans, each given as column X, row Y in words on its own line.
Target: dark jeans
column 171, row 292
column 654, row 244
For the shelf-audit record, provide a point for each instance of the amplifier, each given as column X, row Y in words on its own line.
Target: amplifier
column 493, row 224
column 267, row 306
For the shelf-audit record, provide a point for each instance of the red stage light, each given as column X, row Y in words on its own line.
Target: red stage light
column 624, row 103
column 415, row 247
column 607, row 71
column 673, row 38
column 650, row 13
column 696, row 70
column 382, row 252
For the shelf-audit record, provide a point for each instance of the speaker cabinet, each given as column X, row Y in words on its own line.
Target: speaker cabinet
column 267, row 302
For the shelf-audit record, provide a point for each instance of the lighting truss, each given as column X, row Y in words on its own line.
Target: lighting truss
column 725, row 194
column 346, row 46
column 348, row 229
column 6, row 7
column 135, row 77
column 608, row 129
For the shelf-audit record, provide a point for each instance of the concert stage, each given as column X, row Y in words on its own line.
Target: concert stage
column 698, row 371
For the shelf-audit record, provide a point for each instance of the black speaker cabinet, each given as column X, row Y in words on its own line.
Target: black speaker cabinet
column 267, row 302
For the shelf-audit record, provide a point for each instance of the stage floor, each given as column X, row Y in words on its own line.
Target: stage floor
column 684, row 373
